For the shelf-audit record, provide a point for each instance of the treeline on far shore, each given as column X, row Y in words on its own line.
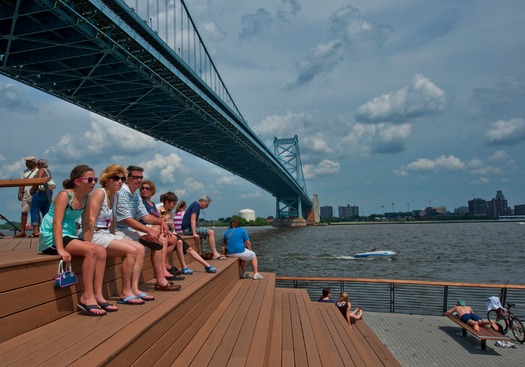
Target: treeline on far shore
column 221, row 222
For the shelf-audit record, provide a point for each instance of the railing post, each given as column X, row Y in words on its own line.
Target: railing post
column 392, row 298
column 503, row 296
column 295, row 283
column 445, row 298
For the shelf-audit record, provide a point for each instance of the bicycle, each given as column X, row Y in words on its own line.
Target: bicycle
column 511, row 321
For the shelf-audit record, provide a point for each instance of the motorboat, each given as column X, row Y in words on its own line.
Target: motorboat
column 375, row 253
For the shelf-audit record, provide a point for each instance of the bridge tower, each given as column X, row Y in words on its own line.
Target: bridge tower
column 289, row 209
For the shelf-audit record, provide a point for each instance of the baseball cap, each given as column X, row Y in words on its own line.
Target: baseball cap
column 461, row 302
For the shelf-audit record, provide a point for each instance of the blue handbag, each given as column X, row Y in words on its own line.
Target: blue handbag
column 65, row 278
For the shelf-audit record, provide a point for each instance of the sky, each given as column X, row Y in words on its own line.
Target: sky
column 398, row 105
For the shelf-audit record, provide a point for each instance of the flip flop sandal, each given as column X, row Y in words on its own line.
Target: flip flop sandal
column 86, row 310
column 126, row 301
column 106, row 307
column 145, row 297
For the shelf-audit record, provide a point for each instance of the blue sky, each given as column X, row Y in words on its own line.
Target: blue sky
column 407, row 102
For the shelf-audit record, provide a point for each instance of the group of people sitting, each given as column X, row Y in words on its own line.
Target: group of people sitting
column 116, row 221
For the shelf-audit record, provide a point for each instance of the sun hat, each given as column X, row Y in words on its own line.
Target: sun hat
column 461, row 302
column 30, row 158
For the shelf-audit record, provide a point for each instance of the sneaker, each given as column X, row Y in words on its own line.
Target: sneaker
column 245, row 275
column 174, row 271
column 210, row 269
column 257, row 276
column 186, row 271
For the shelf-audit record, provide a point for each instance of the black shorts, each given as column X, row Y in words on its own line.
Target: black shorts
column 185, row 245
column 65, row 241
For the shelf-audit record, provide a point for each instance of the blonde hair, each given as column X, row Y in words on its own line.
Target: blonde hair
column 109, row 171
column 343, row 297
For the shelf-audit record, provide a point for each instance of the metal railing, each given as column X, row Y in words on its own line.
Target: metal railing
column 409, row 296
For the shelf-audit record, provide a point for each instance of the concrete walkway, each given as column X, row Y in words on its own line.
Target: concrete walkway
column 423, row 341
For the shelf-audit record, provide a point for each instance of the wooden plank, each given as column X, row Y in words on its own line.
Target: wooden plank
column 323, row 339
column 212, row 332
column 275, row 354
column 24, row 182
column 308, row 331
column 287, row 336
column 185, row 322
column 350, row 353
column 260, row 346
column 376, row 345
column 232, row 333
column 125, row 343
column 254, row 331
column 299, row 347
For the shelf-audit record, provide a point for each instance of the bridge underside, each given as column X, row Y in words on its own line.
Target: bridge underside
column 100, row 56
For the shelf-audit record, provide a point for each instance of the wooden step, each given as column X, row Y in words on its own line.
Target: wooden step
column 237, row 332
column 121, row 338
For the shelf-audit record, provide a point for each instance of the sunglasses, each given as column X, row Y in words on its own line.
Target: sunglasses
column 137, row 177
column 118, row 178
column 89, row 179
column 146, row 188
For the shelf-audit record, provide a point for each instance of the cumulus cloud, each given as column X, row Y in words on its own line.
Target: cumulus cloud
column 326, row 167
column 420, row 98
column 348, row 31
column 101, row 140
column 165, row 167
column 379, row 138
column 225, row 180
column 12, row 97
column 287, row 9
column 13, row 170
column 507, row 132
column 194, row 186
column 450, row 163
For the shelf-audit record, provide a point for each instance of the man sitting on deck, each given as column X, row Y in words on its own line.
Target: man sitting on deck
column 467, row 315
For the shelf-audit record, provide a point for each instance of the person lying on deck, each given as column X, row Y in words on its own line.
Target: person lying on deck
column 467, row 315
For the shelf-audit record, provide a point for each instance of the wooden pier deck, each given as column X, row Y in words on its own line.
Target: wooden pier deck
column 216, row 320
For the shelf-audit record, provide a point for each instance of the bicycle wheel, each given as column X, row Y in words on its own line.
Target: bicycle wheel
column 493, row 315
column 517, row 329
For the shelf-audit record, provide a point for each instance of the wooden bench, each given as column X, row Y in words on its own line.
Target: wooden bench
column 483, row 334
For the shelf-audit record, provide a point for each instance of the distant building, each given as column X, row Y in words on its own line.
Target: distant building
column 247, row 214
column 519, row 209
column 326, row 212
column 498, row 206
column 461, row 210
column 477, row 207
column 348, row 211
column 440, row 209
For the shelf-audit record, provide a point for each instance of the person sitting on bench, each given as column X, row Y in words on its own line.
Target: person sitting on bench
column 467, row 315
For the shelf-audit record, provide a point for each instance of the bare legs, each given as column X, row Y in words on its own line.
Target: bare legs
column 211, row 242
column 93, row 268
column 131, row 267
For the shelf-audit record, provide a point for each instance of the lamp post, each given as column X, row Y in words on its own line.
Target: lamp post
column 392, row 208
column 382, row 210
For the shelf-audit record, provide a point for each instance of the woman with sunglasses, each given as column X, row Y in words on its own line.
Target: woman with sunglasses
column 101, row 228
column 147, row 190
column 58, row 235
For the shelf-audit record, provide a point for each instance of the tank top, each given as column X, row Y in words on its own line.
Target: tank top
column 105, row 216
column 342, row 306
column 69, row 225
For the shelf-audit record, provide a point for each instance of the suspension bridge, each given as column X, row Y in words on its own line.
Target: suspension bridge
column 143, row 64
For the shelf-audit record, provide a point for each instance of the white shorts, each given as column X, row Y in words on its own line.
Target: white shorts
column 247, row 255
column 104, row 237
column 129, row 233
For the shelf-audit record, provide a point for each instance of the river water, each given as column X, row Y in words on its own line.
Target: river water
column 486, row 252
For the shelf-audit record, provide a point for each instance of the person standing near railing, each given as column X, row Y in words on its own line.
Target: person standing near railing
column 23, row 193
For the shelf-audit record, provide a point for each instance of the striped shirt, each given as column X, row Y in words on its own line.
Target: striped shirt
column 129, row 206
